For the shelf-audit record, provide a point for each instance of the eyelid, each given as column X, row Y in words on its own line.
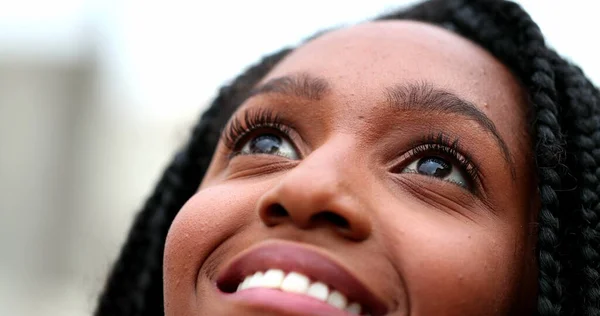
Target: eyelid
column 441, row 144
column 245, row 123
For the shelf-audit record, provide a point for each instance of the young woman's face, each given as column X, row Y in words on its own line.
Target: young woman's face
column 385, row 165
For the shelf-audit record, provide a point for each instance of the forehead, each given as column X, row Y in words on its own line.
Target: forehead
column 360, row 62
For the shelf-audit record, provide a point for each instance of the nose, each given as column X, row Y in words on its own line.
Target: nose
column 318, row 193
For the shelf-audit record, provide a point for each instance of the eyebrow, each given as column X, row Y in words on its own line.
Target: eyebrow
column 300, row 85
column 419, row 96
column 425, row 97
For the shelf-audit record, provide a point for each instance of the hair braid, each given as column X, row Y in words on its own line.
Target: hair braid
column 132, row 288
column 582, row 102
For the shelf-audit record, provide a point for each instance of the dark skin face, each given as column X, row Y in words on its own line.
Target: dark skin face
column 401, row 153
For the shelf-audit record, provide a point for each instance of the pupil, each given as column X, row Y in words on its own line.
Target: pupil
column 434, row 166
column 265, row 144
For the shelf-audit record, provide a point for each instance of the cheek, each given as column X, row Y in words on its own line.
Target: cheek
column 450, row 264
column 207, row 220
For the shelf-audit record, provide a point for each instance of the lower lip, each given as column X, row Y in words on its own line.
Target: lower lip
column 283, row 302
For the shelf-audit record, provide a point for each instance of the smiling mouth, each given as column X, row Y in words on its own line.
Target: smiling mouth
column 301, row 284
column 286, row 275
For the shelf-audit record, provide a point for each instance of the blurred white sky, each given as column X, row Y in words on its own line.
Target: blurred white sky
column 159, row 57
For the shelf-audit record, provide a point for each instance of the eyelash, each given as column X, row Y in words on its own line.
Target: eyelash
column 239, row 128
column 446, row 147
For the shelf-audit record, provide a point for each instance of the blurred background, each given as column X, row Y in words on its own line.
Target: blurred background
column 96, row 95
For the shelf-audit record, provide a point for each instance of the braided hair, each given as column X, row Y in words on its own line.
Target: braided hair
column 564, row 123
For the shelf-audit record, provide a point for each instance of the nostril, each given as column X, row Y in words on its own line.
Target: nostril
column 333, row 218
column 276, row 211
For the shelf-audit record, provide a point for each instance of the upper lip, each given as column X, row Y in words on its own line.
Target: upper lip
column 289, row 256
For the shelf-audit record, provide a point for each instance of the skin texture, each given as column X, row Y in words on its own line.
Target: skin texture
column 426, row 246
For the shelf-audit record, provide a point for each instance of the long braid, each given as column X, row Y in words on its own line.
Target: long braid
column 132, row 288
column 582, row 102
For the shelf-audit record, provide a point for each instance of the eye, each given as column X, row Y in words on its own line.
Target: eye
column 269, row 144
column 438, row 167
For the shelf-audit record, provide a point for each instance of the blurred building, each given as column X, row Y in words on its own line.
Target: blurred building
column 75, row 165
column 45, row 105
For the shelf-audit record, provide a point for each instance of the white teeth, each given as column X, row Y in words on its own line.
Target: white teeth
column 318, row 290
column 298, row 283
column 337, row 299
column 244, row 284
column 295, row 282
column 273, row 278
column 354, row 308
column 255, row 280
